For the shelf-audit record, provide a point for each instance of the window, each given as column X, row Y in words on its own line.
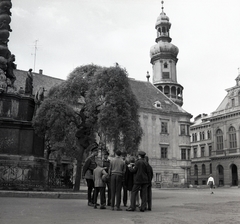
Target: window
column 195, row 170
column 210, row 168
column 188, row 154
column 175, row 177
column 195, row 152
column 209, row 134
column 195, row 137
column 219, row 135
column 164, row 127
column 163, row 152
column 232, row 138
column 202, row 151
column 203, row 135
column 233, row 102
column 203, row 169
column 183, row 153
column 200, row 134
column 165, row 75
column 210, row 150
column 165, row 65
column 184, row 129
column 158, row 177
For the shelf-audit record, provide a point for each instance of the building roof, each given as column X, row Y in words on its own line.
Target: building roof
column 149, row 96
column 38, row 80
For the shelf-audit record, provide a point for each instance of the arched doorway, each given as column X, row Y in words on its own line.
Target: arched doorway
column 234, row 175
column 220, row 172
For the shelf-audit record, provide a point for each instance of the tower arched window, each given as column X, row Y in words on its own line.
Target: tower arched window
column 164, row 29
column 219, row 136
column 232, row 138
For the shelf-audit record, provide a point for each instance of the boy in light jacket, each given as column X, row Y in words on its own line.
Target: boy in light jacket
column 100, row 186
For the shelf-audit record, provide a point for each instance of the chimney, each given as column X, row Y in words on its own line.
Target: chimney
column 40, row 71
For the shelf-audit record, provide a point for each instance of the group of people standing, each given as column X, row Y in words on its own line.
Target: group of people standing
column 122, row 174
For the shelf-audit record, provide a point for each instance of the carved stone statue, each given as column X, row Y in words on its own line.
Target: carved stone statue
column 29, row 83
column 10, row 67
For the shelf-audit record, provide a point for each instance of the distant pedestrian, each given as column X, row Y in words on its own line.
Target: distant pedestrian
column 116, row 171
column 211, row 183
column 88, row 168
column 99, row 185
column 106, row 165
column 141, row 182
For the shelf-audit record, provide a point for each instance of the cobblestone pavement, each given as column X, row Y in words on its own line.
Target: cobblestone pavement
column 183, row 206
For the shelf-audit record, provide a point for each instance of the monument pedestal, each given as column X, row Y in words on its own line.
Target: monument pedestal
column 22, row 163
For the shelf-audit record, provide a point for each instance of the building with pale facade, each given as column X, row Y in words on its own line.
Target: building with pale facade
column 215, row 142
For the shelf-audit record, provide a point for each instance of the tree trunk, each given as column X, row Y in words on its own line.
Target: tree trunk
column 79, row 169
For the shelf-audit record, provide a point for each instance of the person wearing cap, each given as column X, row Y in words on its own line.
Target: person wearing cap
column 116, row 171
column 106, row 165
column 141, row 182
column 149, row 188
column 88, row 168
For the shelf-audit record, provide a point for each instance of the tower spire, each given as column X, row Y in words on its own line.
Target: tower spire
column 162, row 5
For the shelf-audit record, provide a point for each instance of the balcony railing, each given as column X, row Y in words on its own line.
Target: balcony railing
column 225, row 152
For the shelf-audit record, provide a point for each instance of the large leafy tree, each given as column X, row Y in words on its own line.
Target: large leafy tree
column 92, row 100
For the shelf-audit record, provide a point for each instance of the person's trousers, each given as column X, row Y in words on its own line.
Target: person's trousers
column 135, row 189
column 125, row 196
column 108, row 184
column 90, row 185
column 116, row 187
column 102, row 195
column 149, row 197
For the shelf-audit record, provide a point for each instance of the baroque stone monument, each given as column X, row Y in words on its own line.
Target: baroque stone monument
column 22, row 163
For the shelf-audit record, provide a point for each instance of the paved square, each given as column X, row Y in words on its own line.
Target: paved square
column 186, row 206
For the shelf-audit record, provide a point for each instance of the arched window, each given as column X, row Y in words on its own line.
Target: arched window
column 209, row 134
column 219, row 135
column 165, row 65
column 195, row 170
column 239, row 98
column 203, row 135
column 195, row 137
column 203, row 169
column 232, row 138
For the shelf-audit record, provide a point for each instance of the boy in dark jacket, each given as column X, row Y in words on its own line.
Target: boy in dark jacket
column 141, row 181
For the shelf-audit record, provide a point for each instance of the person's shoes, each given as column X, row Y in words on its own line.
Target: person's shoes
column 149, row 209
column 141, row 210
column 212, row 193
column 119, row 209
column 102, row 207
column 130, row 209
column 112, row 208
column 98, row 204
column 95, row 206
column 90, row 204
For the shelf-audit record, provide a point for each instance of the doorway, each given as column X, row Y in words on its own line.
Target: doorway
column 220, row 175
column 234, row 175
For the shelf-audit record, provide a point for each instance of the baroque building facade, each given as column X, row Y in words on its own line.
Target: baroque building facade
column 215, row 141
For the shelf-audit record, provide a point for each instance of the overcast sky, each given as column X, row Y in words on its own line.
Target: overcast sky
column 78, row 32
